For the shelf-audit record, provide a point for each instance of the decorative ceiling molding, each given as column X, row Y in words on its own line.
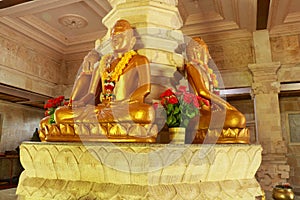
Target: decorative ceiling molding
column 292, row 17
column 210, row 28
column 9, row 3
column 73, row 21
column 31, row 21
column 38, row 20
column 101, row 7
column 284, row 17
column 199, row 18
column 35, row 6
column 11, row 34
column 285, row 29
column 31, row 33
column 44, row 28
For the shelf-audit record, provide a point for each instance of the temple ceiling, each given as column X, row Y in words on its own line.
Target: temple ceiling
column 71, row 26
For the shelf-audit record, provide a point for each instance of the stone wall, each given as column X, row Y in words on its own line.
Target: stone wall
column 18, row 124
column 28, row 65
column 232, row 57
column 291, row 105
column 286, row 50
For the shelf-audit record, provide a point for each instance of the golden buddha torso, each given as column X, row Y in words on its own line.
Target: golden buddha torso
column 123, row 101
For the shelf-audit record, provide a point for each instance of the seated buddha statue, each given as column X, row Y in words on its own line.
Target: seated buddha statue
column 117, row 87
column 219, row 114
column 123, row 79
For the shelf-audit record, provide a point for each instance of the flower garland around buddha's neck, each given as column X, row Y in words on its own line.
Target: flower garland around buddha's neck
column 111, row 77
column 115, row 74
column 212, row 75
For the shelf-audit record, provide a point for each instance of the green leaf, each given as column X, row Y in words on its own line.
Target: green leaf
column 169, row 109
column 186, row 122
column 169, row 120
column 51, row 119
column 191, row 114
column 176, row 110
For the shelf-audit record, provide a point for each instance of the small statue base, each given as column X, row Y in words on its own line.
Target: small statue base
column 102, row 132
column 226, row 136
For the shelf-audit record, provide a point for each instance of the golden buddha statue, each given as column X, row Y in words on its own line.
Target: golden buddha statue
column 198, row 54
column 112, row 104
column 220, row 115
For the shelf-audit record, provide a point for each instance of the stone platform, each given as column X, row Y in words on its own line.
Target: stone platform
column 138, row 171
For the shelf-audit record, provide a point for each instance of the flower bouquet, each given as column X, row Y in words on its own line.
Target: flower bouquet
column 181, row 106
column 51, row 106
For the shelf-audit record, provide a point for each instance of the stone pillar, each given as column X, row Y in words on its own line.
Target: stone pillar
column 265, row 89
column 157, row 24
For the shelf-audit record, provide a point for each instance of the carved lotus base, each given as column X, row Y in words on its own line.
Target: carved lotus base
column 102, row 132
column 94, row 171
column 227, row 136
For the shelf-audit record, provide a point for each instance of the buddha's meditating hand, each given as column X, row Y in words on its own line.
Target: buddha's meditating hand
column 122, row 79
column 81, row 94
column 229, row 114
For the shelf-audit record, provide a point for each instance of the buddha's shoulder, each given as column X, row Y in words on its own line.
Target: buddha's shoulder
column 141, row 58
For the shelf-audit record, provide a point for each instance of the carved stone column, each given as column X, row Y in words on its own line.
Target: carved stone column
column 265, row 89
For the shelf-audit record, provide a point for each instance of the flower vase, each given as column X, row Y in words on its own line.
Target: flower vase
column 283, row 193
column 177, row 135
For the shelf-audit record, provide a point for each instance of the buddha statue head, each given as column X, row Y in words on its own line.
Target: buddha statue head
column 122, row 36
column 197, row 51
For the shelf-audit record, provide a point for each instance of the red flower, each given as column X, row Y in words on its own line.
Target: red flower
column 163, row 102
column 47, row 113
column 51, row 101
column 173, row 100
column 61, row 98
column 49, row 105
column 185, row 105
column 109, row 87
column 167, row 93
column 206, row 102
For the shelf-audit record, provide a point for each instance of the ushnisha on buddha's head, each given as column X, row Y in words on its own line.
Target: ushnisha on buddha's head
column 122, row 36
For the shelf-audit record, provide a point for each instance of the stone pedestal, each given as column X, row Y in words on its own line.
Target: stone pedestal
column 138, row 171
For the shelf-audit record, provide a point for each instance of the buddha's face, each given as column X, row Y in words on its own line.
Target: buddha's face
column 197, row 51
column 122, row 41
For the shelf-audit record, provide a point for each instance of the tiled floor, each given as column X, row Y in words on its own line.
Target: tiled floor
column 8, row 194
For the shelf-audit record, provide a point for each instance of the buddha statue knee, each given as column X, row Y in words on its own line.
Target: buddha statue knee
column 219, row 119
